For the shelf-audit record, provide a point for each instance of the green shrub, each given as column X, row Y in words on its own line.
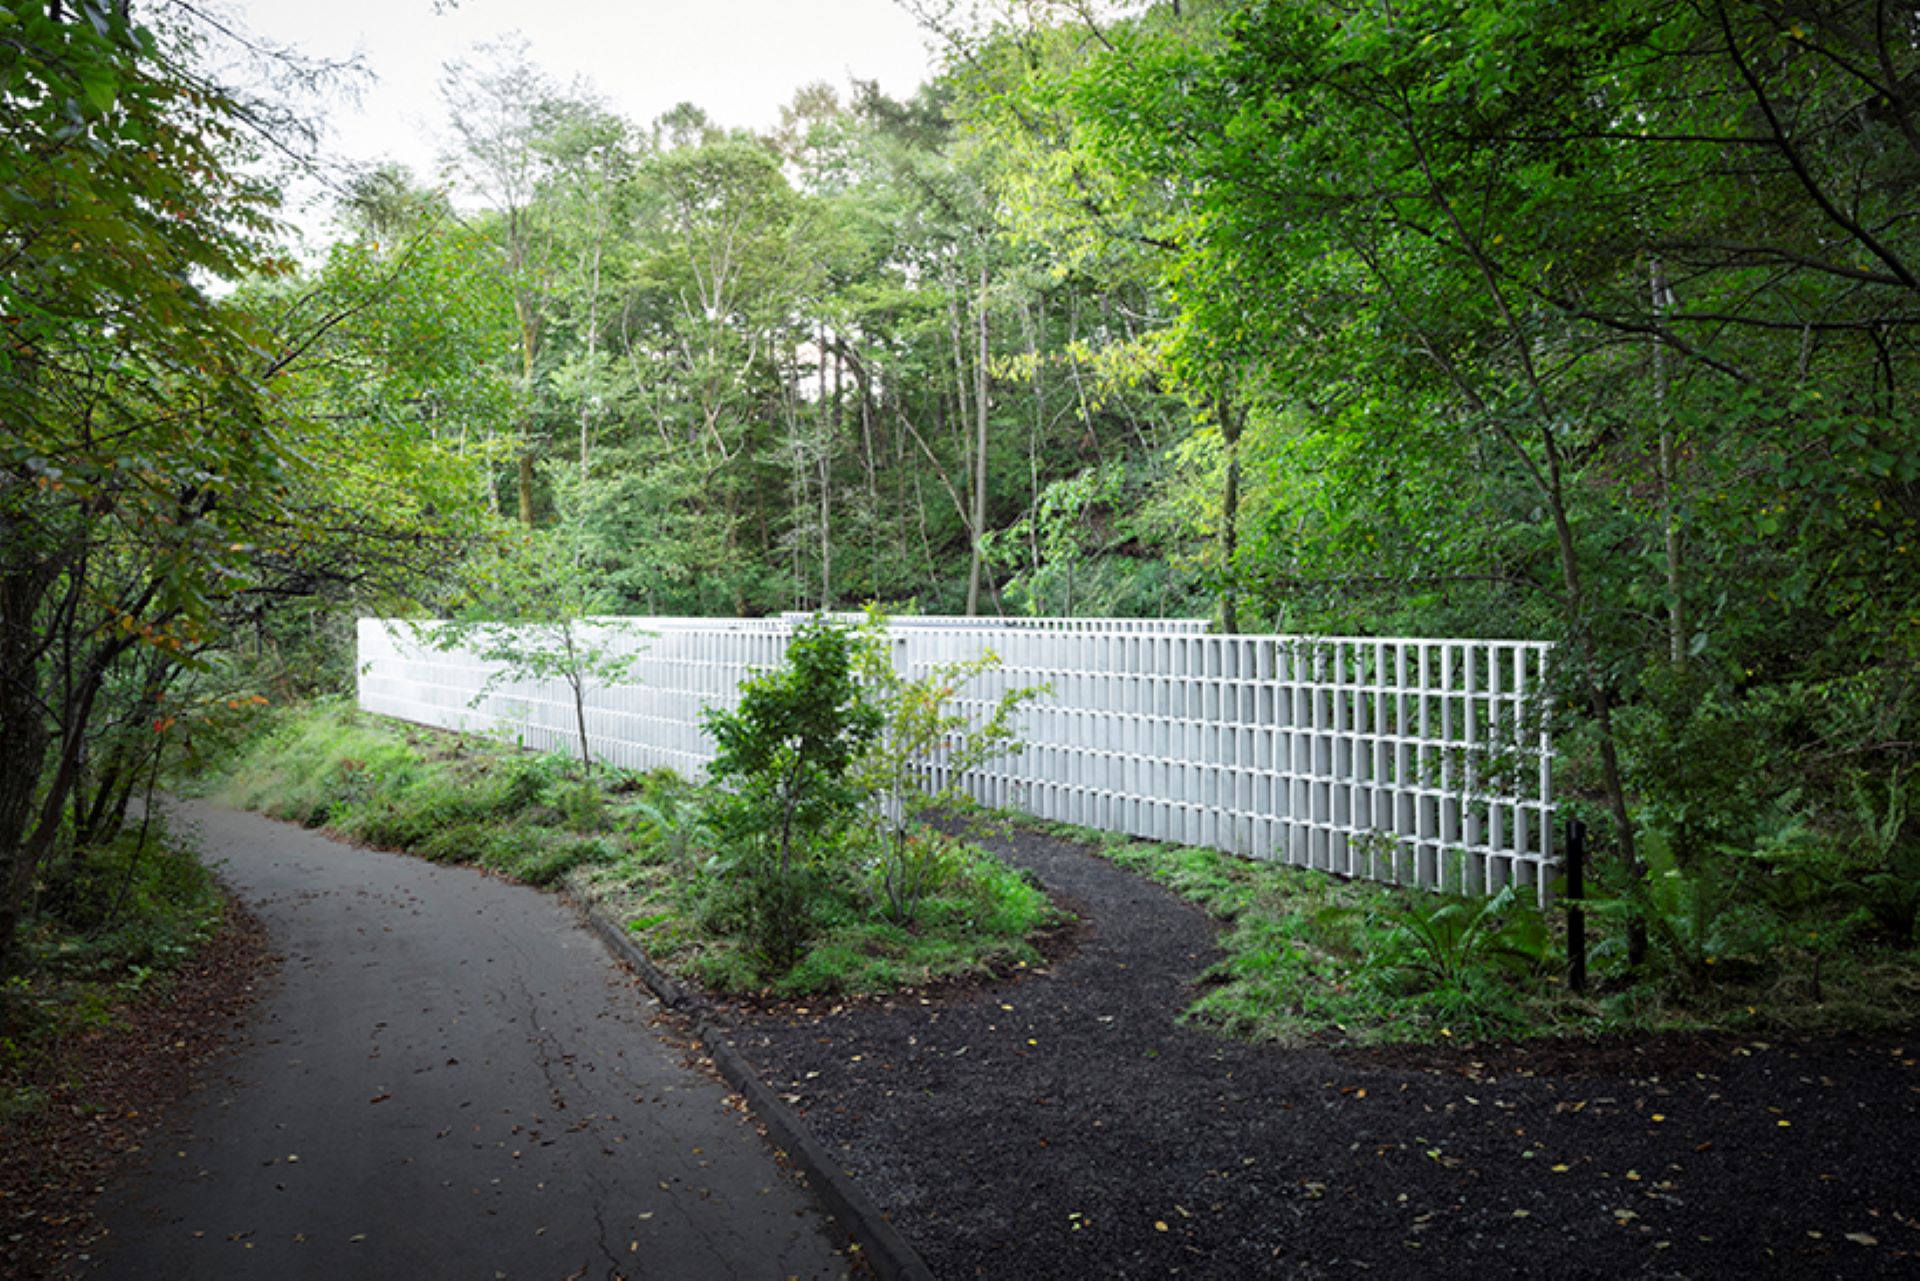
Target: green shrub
column 784, row 798
column 125, row 915
column 917, row 723
column 683, row 863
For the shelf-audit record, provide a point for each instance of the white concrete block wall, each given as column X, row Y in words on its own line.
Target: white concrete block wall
column 971, row 623
column 1422, row 762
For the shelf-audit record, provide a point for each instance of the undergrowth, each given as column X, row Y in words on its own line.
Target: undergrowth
column 1310, row 957
column 111, row 922
column 637, row 843
column 980, row 920
column 441, row 796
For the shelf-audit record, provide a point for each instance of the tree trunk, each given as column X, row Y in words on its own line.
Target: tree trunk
column 823, row 462
column 1670, row 525
column 1030, row 331
column 526, row 489
column 1598, row 695
column 593, row 364
column 529, row 345
column 26, row 839
column 24, row 737
column 980, row 395
column 1229, row 515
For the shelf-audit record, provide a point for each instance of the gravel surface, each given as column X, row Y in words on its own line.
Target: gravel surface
column 1066, row 1124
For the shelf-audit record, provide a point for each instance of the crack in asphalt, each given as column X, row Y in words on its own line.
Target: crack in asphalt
column 600, row 1222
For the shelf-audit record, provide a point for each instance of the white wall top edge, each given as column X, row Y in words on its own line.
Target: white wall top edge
column 641, row 624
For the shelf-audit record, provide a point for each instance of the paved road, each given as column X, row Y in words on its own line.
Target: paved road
column 450, row 1079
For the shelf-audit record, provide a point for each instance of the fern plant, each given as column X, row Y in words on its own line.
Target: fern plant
column 1449, row 941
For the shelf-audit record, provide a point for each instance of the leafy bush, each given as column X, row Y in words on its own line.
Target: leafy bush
column 1760, row 939
column 782, row 765
column 1449, row 941
column 919, row 728
column 1884, row 879
column 651, row 848
column 128, row 913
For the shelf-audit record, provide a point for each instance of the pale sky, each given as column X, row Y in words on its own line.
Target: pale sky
column 738, row 59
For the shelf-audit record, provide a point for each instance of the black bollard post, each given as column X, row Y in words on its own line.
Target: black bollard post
column 1576, row 906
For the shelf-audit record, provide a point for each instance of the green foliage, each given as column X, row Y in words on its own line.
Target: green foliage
column 646, row 852
column 922, row 736
column 1309, row 958
column 536, row 621
column 140, row 902
column 139, row 442
column 163, row 479
column 1449, row 941
column 1691, row 912
column 783, row 761
column 1520, row 341
column 130, row 911
column 1882, row 872
column 442, row 798
column 979, row 922
column 1433, row 319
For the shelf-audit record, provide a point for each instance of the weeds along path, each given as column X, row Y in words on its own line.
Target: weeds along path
column 1070, row 1125
column 449, row 1079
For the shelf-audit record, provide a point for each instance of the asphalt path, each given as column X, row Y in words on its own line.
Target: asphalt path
column 450, row 1078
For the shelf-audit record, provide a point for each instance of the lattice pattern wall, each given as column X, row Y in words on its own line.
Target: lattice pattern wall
column 1419, row 762
column 1422, row 762
column 968, row 623
column 650, row 722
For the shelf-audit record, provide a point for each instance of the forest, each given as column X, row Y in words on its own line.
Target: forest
column 1591, row 322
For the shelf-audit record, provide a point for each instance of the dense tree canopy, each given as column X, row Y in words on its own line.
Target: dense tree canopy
column 1586, row 321
column 159, row 486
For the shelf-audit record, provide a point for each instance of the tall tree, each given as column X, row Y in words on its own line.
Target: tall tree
column 151, row 484
column 1433, row 225
column 494, row 105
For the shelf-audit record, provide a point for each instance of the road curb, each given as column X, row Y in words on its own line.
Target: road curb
column 883, row 1246
column 668, row 992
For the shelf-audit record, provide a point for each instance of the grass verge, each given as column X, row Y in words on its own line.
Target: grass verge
column 1309, row 957
column 634, row 843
